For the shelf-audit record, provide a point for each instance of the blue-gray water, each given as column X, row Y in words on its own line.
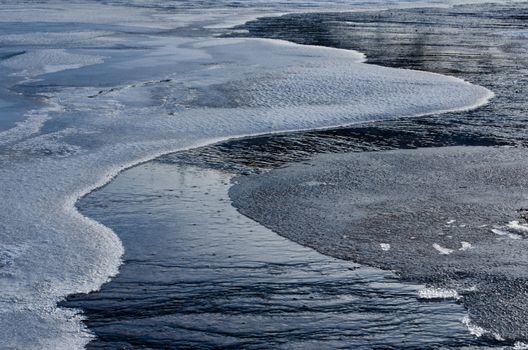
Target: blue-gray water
column 197, row 274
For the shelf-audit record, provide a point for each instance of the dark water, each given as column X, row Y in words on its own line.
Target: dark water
column 445, row 213
column 174, row 293
column 482, row 44
column 198, row 274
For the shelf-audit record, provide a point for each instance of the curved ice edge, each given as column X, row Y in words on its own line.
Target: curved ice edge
column 112, row 267
column 70, row 205
column 479, row 332
column 440, row 294
column 360, row 57
column 232, row 24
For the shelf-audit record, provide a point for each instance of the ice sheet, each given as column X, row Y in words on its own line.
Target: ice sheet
column 150, row 95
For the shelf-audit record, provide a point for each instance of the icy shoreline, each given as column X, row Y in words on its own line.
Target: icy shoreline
column 198, row 274
column 50, row 250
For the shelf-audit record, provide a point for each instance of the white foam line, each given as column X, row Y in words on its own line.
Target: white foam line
column 475, row 330
column 478, row 331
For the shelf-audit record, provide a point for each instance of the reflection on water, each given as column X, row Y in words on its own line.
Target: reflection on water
column 485, row 44
column 198, row 274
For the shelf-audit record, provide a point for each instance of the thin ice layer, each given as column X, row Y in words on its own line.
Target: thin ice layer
column 146, row 95
column 404, row 198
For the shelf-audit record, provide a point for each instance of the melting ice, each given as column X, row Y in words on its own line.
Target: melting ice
column 99, row 88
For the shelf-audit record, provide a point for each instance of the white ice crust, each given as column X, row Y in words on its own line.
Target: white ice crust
column 442, row 250
column 198, row 91
column 438, row 293
column 385, row 247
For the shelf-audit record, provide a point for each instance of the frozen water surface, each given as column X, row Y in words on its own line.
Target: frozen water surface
column 197, row 274
column 112, row 86
column 403, row 198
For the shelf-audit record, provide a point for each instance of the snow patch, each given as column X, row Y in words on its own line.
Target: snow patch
column 516, row 226
column 520, row 346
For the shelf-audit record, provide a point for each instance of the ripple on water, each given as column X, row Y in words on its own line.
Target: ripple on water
column 197, row 273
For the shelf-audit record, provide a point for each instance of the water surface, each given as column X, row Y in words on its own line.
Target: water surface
column 199, row 274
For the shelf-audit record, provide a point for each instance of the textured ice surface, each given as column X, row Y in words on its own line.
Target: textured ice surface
column 198, row 274
column 404, row 198
column 43, row 61
column 438, row 293
column 442, row 250
column 132, row 97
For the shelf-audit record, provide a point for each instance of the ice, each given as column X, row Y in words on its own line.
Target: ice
column 442, row 250
column 34, row 63
column 385, row 246
column 109, row 109
column 315, row 183
column 438, row 293
column 479, row 331
column 79, row 12
column 473, row 329
column 520, row 346
column 505, row 233
column 518, row 227
column 465, row 246
column 513, row 230
column 54, row 38
column 34, row 121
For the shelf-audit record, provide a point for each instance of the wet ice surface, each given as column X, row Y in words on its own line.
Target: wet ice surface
column 109, row 87
column 199, row 274
column 114, row 86
column 484, row 44
column 437, row 208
